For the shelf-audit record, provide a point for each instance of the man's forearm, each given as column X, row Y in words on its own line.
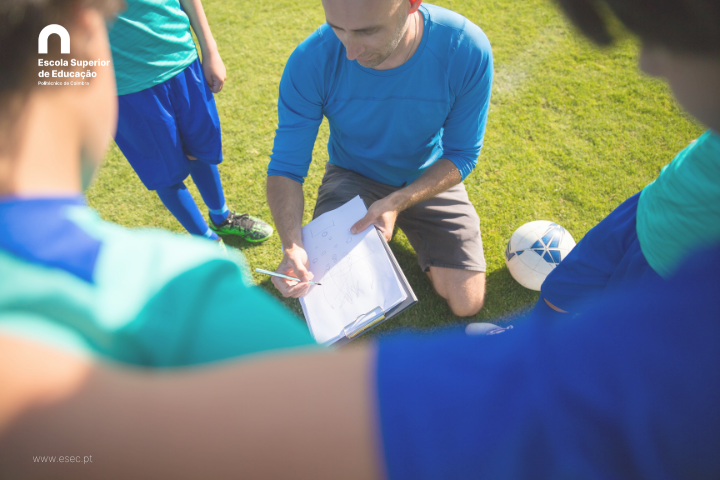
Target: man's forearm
column 441, row 176
column 199, row 23
column 287, row 204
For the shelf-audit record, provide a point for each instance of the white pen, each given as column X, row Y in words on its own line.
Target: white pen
column 275, row 274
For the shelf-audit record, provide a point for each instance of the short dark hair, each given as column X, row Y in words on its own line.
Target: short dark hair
column 679, row 25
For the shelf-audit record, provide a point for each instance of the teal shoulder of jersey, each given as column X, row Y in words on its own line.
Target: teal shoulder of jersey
column 151, row 42
column 157, row 299
column 680, row 210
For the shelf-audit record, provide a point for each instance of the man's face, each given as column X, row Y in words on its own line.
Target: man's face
column 370, row 30
column 694, row 79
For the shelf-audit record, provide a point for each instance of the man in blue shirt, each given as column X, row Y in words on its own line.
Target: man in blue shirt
column 405, row 88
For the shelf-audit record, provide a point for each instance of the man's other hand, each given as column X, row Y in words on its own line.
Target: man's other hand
column 381, row 214
column 295, row 263
column 214, row 70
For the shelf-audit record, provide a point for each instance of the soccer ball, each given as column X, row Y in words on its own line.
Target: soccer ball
column 534, row 250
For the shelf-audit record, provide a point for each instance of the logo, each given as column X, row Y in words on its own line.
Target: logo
column 72, row 71
column 49, row 30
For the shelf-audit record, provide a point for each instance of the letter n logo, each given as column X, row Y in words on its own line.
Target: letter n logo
column 49, row 30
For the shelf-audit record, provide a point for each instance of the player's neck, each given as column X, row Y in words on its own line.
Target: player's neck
column 45, row 160
column 408, row 45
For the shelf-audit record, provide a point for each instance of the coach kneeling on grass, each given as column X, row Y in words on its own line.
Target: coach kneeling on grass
column 405, row 89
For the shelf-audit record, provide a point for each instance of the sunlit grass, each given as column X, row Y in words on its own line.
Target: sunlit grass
column 572, row 132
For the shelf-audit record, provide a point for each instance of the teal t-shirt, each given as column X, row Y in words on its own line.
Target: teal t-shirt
column 680, row 210
column 150, row 42
column 144, row 297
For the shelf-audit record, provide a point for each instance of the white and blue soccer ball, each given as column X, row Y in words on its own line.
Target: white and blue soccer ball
column 534, row 250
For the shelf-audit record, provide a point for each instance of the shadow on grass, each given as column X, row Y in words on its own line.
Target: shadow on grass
column 240, row 243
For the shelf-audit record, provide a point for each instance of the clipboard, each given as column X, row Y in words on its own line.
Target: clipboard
column 361, row 283
column 377, row 316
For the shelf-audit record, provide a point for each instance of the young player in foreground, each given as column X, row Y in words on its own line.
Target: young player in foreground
column 650, row 234
column 70, row 280
column 168, row 124
column 602, row 398
column 647, row 237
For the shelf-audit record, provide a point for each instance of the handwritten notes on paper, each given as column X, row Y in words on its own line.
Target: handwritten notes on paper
column 355, row 271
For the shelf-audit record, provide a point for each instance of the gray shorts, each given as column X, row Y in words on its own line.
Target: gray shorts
column 444, row 230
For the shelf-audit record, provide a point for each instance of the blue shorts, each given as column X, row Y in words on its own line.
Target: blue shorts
column 608, row 258
column 160, row 126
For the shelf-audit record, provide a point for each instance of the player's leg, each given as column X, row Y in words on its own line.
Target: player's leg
column 607, row 258
column 445, row 233
column 464, row 290
column 181, row 204
column 224, row 221
column 207, row 180
column 147, row 135
column 199, row 126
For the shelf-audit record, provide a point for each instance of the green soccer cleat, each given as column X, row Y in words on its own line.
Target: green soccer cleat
column 250, row 228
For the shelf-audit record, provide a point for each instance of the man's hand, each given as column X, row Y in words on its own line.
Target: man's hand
column 442, row 175
column 295, row 263
column 382, row 214
column 214, row 70
column 285, row 197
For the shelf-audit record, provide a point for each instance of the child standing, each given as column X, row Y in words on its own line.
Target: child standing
column 168, row 125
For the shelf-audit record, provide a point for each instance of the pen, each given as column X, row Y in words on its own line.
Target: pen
column 275, row 274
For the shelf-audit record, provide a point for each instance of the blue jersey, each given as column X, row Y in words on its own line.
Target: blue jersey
column 629, row 391
column 391, row 125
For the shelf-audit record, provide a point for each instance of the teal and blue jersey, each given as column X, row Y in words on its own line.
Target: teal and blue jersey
column 143, row 297
column 680, row 210
column 648, row 236
column 389, row 126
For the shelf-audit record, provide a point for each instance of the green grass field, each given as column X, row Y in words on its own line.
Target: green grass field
column 572, row 132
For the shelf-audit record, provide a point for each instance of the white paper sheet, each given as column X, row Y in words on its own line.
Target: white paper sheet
column 355, row 272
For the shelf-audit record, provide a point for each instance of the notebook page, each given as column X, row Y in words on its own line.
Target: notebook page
column 355, row 272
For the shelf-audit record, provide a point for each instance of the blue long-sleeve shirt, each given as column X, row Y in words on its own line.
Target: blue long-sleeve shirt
column 389, row 125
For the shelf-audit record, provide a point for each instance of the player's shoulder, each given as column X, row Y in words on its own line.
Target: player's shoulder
column 318, row 47
column 314, row 62
column 132, row 270
column 451, row 30
column 147, row 257
column 708, row 145
column 157, row 255
column 459, row 46
column 696, row 163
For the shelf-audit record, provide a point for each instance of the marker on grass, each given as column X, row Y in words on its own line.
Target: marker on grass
column 275, row 274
